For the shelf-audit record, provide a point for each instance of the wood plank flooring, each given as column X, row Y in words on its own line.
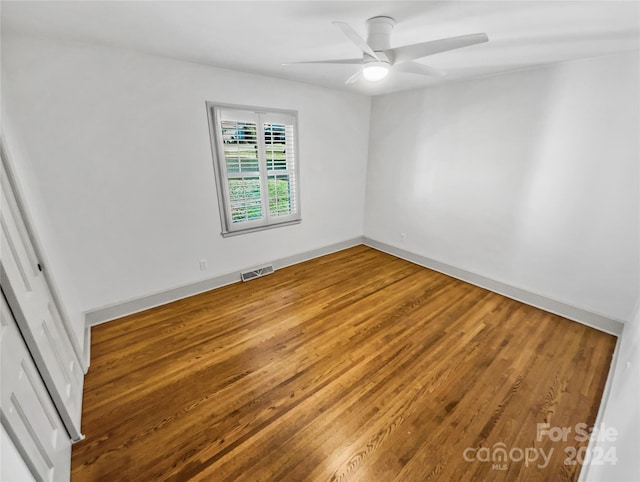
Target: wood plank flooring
column 356, row 366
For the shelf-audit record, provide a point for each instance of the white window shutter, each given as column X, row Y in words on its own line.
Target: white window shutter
column 255, row 160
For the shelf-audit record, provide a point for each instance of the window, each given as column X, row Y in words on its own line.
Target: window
column 255, row 162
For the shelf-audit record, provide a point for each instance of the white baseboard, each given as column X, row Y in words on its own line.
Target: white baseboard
column 580, row 315
column 129, row 307
column 135, row 305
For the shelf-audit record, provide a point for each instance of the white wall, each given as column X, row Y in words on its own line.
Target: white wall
column 528, row 178
column 116, row 145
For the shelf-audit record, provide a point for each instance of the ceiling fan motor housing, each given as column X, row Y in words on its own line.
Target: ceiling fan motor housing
column 379, row 33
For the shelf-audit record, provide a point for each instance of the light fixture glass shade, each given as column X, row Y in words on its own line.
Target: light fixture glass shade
column 374, row 71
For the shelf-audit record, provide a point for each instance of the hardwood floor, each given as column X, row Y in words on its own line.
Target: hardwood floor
column 355, row 366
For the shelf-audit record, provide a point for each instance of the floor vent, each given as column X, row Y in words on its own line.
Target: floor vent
column 256, row 273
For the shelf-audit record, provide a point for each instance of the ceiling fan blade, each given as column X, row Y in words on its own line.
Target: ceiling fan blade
column 356, row 39
column 416, row 51
column 354, row 78
column 330, row 61
column 420, row 69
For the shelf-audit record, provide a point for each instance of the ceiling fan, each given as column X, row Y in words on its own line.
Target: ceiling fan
column 378, row 57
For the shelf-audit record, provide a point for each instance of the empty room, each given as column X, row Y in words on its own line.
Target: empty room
column 320, row 241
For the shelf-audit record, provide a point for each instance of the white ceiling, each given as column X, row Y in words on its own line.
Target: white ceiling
column 260, row 36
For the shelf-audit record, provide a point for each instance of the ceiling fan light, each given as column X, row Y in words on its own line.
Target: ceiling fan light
column 374, row 71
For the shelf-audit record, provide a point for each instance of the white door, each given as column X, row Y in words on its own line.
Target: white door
column 36, row 314
column 27, row 413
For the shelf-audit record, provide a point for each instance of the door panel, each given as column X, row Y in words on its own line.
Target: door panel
column 36, row 314
column 26, row 411
column 13, row 466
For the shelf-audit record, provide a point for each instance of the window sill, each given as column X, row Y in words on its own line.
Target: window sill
column 228, row 234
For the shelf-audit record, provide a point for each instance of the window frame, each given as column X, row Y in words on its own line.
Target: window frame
column 229, row 228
